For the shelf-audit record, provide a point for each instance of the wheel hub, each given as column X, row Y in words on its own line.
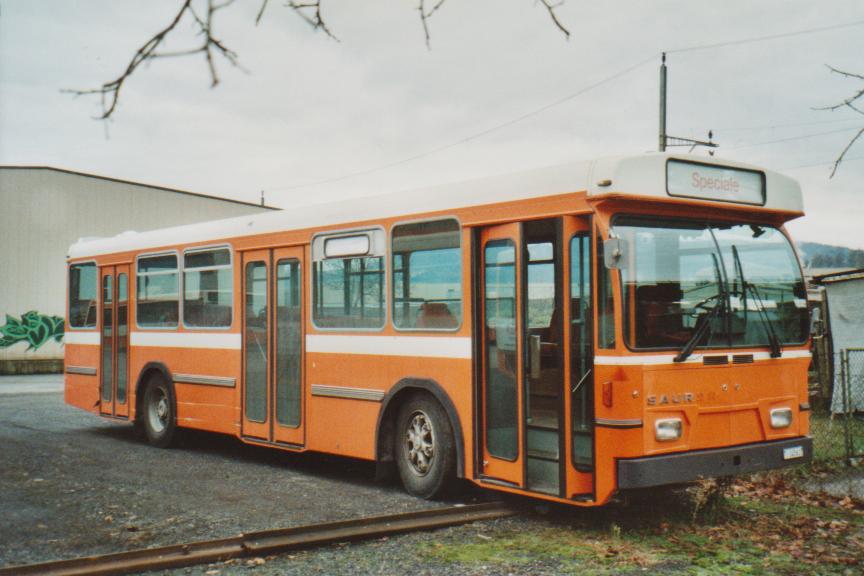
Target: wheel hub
column 420, row 443
column 158, row 410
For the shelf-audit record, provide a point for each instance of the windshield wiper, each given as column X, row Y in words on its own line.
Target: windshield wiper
column 773, row 340
column 705, row 322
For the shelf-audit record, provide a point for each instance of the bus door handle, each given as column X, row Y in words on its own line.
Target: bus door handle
column 534, row 355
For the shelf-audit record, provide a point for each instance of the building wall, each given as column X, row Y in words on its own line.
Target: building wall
column 846, row 311
column 42, row 212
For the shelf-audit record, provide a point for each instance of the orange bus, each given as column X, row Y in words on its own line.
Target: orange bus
column 565, row 333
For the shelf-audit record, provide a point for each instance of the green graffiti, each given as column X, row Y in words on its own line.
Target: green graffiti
column 32, row 327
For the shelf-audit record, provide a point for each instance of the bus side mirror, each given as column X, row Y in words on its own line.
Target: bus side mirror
column 613, row 252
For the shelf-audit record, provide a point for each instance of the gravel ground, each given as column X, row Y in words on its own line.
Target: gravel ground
column 73, row 485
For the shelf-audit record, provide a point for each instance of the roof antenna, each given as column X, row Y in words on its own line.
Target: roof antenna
column 664, row 139
column 262, row 198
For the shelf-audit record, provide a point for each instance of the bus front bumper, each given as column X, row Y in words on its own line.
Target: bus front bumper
column 689, row 466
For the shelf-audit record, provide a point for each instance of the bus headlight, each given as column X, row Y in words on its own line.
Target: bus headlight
column 781, row 417
column 667, row 429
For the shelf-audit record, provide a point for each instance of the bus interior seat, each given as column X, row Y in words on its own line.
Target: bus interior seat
column 658, row 311
column 435, row 315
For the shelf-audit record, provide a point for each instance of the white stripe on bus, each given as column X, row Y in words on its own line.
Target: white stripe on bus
column 694, row 359
column 75, row 337
column 223, row 341
column 418, row 346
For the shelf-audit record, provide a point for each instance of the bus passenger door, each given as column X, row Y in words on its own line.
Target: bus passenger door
column 579, row 357
column 287, row 304
column 114, row 341
column 273, row 345
column 502, row 349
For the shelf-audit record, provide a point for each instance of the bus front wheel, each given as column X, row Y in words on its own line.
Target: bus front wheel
column 425, row 451
column 160, row 421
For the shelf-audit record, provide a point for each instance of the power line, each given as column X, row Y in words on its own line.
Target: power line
column 790, row 139
column 476, row 135
column 569, row 97
column 790, row 125
column 815, row 164
column 765, row 38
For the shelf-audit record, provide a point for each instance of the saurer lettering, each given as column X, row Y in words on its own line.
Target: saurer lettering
column 662, row 399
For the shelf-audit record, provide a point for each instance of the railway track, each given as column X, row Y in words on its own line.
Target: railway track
column 265, row 542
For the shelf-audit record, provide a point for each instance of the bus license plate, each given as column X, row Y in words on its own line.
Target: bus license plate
column 793, row 452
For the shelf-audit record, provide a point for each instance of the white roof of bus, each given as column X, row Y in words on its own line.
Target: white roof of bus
column 643, row 175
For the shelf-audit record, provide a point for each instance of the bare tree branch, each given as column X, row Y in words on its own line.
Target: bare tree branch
column 110, row 91
column 311, row 13
column 424, row 17
column 261, row 12
column 551, row 8
column 211, row 47
column 845, row 150
column 850, row 103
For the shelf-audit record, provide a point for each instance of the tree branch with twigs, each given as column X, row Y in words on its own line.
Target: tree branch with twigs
column 212, row 47
column 853, row 102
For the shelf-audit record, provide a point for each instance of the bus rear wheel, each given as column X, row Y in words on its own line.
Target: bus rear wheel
column 425, row 451
column 160, row 422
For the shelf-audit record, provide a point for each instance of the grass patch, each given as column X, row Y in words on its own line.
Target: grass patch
column 760, row 529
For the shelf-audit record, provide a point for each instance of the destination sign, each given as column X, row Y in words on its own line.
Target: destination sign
column 710, row 182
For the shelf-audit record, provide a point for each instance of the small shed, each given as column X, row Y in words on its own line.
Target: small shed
column 844, row 293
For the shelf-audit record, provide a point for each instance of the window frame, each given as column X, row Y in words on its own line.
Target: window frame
column 67, row 323
column 317, row 254
column 761, row 173
column 392, row 296
column 177, row 254
column 700, row 349
column 182, row 285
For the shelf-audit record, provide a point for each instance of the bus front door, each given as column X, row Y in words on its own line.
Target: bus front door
column 114, row 341
column 524, row 346
column 503, row 359
column 272, row 396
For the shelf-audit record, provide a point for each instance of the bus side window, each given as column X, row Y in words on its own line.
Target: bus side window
column 158, row 297
column 348, row 280
column 82, row 295
column 427, row 275
column 208, row 288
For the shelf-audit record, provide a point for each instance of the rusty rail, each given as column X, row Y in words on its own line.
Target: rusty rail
column 265, row 542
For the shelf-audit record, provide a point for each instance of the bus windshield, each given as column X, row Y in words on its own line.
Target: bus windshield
column 698, row 284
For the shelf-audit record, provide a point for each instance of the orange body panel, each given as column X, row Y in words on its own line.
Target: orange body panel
column 82, row 390
column 713, row 416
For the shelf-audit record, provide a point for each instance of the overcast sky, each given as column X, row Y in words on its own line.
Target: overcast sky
column 307, row 109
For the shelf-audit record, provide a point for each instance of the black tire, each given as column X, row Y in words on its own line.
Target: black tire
column 158, row 413
column 424, row 447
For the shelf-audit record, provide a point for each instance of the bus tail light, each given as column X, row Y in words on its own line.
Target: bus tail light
column 781, row 417
column 607, row 394
column 667, row 429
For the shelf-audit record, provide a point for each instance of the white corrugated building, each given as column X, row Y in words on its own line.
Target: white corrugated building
column 42, row 211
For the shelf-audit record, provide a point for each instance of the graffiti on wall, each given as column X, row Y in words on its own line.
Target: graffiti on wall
column 34, row 328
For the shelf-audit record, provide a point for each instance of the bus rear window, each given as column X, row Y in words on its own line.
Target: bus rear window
column 82, row 295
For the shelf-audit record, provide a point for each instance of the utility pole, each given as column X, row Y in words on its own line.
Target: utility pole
column 664, row 140
column 662, row 143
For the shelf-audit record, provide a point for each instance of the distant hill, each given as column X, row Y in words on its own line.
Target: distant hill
column 816, row 255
